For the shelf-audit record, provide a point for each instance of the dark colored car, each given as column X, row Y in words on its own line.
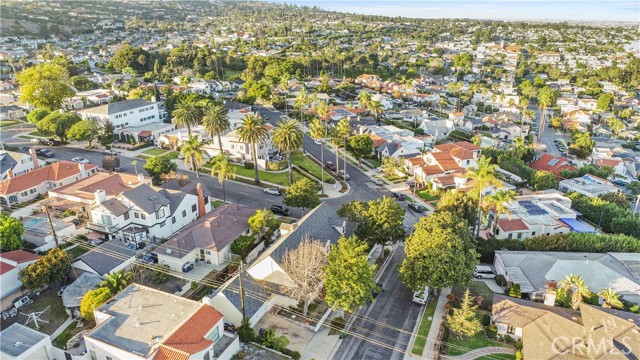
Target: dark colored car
column 150, row 258
column 53, row 142
column 118, row 169
column 331, row 166
column 48, row 153
column 280, row 210
column 398, row 196
column 417, row 208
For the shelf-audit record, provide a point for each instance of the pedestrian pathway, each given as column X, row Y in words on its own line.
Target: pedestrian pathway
column 474, row 354
column 438, row 318
column 61, row 328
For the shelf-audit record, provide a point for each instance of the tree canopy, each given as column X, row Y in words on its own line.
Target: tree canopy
column 92, row 300
column 303, row 194
column 45, row 85
column 377, row 221
column 85, row 130
column 47, row 270
column 57, row 124
column 157, row 166
column 11, row 231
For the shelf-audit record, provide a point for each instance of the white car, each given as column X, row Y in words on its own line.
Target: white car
column 273, row 191
column 318, row 142
column 80, row 160
column 377, row 181
column 379, row 169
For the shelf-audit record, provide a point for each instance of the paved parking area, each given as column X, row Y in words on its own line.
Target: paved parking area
column 298, row 335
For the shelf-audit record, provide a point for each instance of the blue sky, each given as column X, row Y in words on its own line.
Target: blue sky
column 616, row 10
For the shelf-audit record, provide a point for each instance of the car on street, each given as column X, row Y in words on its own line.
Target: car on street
column 110, row 152
column 150, row 258
column 273, row 191
column 40, row 152
column 343, row 175
column 398, row 196
column 417, row 208
column 331, row 166
column 188, row 266
column 377, row 181
column 421, row 297
column 48, row 153
column 379, row 169
column 118, row 169
column 280, row 210
column 80, row 160
column 318, row 142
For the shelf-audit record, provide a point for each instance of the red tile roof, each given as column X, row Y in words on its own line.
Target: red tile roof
column 54, row 172
column 553, row 164
column 167, row 353
column 460, row 150
column 445, row 161
column 416, row 161
column 19, row 256
column 4, row 267
column 190, row 337
column 512, row 225
column 607, row 162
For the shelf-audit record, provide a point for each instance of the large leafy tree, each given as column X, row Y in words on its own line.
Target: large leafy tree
column 45, row 85
column 36, row 115
column 92, row 300
column 543, row 180
column 117, row 281
column 85, row 130
column 287, row 138
column 260, row 220
column 252, row 131
column 460, row 203
column 439, row 253
column 131, row 57
column 216, row 121
column 605, row 101
column 47, row 270
column 303, row 267
column 377, row 221
column 187, row 113
column 303, row 194
column 157, row 166
column 349, row 280
column 225, row 170
column 360, row 146
column 464, row 321
column 57, row 124
column 193, row 153
column 11, row 231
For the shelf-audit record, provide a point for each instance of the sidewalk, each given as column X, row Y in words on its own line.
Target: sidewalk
column 61, row 328
column 438, row 317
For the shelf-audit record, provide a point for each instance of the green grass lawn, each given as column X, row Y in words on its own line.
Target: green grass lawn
column 279, row 178
column 216, row 203
column 229, row 72
column 172, row 155
column 36, row 133
column 459, row 346
column 424, row 194
column 56, row 315
column 62, row 339
column 497, row 357
column 155, row 151
column 6, row 123
column 425, row 325
column 78, row 250
column 393, row 178
column 306, row 164
column 373, row 161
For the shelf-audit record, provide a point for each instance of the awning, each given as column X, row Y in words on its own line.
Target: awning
column 577, row 226
column 144, row 133
column 94, row 235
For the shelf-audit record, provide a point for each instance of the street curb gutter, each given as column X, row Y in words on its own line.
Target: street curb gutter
column 409, row 352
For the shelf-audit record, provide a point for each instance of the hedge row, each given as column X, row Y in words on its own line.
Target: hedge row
column 610, row 217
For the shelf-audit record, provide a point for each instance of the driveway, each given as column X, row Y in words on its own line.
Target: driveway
column 298, row 335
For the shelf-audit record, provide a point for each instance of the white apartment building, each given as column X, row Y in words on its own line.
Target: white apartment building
column 126, row 114
column 241, row 151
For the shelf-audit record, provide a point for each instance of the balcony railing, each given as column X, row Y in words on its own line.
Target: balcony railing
column 109, row 229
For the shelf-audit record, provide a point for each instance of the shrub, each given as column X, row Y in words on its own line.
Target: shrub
column 485, row 320
column 514, row 291
column 276, row 166
column 519, row 355
column 500, row 280
column 519, row 345
column 491, row 331
column 243, row 245
column 268, row 338
column 245, row 332
column 160, row 273
column 248, row 165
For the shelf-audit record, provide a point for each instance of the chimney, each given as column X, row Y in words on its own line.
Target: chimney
column 552, row 284
column 550, row 297
column 82, row 171
column 101, row 196
column 10, row 174
column 201, row 209
column 140, row 178
column 34, row 158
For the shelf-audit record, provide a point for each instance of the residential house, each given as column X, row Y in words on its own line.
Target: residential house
column 20, row 342
column 25, row 187
column 241, row 151
column 552, row 164
column 12, row 112
column 548, row 57
column 109, row 257
column 588, row 185
column 142, row 323
column 37, row 231
column 439, row 128
column 72, row 294
column 534, row 270
column 15, row 163
column 208, row 239
column 618, row 165
column 10, row 265
column 446, row 159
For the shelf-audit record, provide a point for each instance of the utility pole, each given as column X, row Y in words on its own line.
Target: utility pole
column 53, row 228
column 241, row 291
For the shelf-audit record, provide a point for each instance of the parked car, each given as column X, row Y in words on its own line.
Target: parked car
column 110, row 152
column 331, row 166
column 280, row 210
column 80, row 160
column 25, row 300
column 318, row 142
column 53, row 142
column 484, row 272
column 379, row 169
column 417, row 208
column 377, row 181
column 421, row 297
column 48, row 153
column 343, row 175
column 150, row 258
column 40, row 152
column 188, row 266
column 118, row 169
column 400, row 197
column 273, row 191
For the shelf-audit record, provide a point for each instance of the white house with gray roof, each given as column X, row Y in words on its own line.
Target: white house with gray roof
column 15, row 163
column 126, row 114
column 19, row 342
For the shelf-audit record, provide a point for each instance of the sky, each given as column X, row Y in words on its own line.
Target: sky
column 570, row 10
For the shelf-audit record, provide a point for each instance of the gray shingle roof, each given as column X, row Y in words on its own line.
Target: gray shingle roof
column 147, row 199
column 115, row 207
column 107, row 256
column 117, row 107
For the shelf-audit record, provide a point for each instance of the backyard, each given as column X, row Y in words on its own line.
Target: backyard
column 71, row 330
column 52, row 318
column 425, row 325
column 460, row 345
column 77, row 250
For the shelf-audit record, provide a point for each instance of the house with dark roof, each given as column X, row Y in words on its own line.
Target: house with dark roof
column 321, row 223
column 10, row 265
column 141, row 323
column 109, row 257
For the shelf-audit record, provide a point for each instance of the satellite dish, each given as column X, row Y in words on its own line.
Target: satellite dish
column 168, row 251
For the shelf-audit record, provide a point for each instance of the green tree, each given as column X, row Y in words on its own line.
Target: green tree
column 574, row 285
column 485, row 175
column 439, row 253
column 216, row 121
column 460, row 203
column 616, row 125
column 82, row 83
column 360, row 146
column 364, row 100
column 48, row 269
column 225, row 170
column 391, row 166
column 287, row 138
column 582, row 145
column 85, row 130
column 498, row 203
column 11, row 231
column 302, row 100
column 260, row 220
column 303, row 194
column 605, row 101
column 157, row 166
column 117, row 281
column 556, row 122
column 45, row 85
column 318, row 130
column 343, row 130
column 349, row 280
column 464, row 321
column 544, row 180
column 377, row 222
column 252, row 131
column 57, row 124
column 36, row 115
column 187, row 113
column 92, row 300
column 193, row 153
column 610, row 299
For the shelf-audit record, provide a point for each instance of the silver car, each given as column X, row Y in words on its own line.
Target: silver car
column 273, row 191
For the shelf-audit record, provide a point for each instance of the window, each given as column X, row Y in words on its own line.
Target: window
column 215, row 334
column 533, row 233
column 194, row 208
column 162, row 224
column 510, row 236
column 184, row 213
column 126, row 215
column 24, row 193
column 511, row 330
column 32, row 191
column 142, row 216
column 136, row 215
column 173, row 219
column 206, row 200
column 519, row 235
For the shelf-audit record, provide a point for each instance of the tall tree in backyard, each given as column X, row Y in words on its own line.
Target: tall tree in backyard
column 303, row 194
column 287, row 138
column 187, row 113
column 193, row 153
column 225, row 170
column 376, row 108
column 349, row 280
column 117, row 281
column 45, row 85
column 216, row 121
column 11, row 231
column 92, row 300
column 318, row 130
column 546, row 98
column 485, row 175
column 460, row 203
column 439, row 253
column 303, row 267
column 464, row 320
column 498, row 202
column 47, row 270
column 252, row 131
column 575, row 285
column 378, row 221
column 344, row 130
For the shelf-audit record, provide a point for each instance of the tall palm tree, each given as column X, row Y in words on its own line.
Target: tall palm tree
column 301, row 101
column 323, row 110
column 498, row 202
column 284, row 84
column 484, row 175
column 344, row 130
column 193, row 153
column 574, row 284
column 287, row 138
column 186, row 114
column 364, row 100
column 336, row 140
column 226, row 171
column 318, row 130
column 216, row 121
column 518, row 147
column 610, row 299
column 252, row 131
column 376, row 108
column 117, row 281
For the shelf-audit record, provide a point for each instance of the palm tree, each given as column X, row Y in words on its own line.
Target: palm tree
column 364, row 100
column 117, row 281
column 216, row 121
column 323, row 110
column 252, row 131
column 498, row 202
column 318, row 130
column 186, row 114
column 484, row 175
column 288, row 138
column 574, row 284
column 376, row 108
column 344, row 130
column 610, row 299
column 391, row 166
column 302, row 100
column 226, row 171
column 284, row 84
column 336, row 140
column 193, row 153
column 518, row 147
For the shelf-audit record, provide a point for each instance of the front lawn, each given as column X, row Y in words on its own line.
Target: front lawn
column 425, row 325
column 155, row 152
column 476, row 288
column 172, row 155
column 426, row 195
column 497, row 357
column 279, row 178
column 6, row 123
column 37, row 133
column 458, row 346
column 306, row 164
column 78, row 250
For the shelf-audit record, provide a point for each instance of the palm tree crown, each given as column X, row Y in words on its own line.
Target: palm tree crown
column 225, row 170
column 117, row 281
column 186, row 114
column 574, row 284
column 485, row 175
column 216, row 121
column 193, row 153
column 288, row 138
column 610, row 299
column 252, row 131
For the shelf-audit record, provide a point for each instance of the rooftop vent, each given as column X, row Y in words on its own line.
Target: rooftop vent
column 19, row 343
column 168, row 251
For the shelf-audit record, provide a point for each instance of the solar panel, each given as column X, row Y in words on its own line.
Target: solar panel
column 553, row 162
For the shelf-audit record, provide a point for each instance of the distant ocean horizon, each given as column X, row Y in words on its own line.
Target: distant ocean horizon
column 517, row 10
